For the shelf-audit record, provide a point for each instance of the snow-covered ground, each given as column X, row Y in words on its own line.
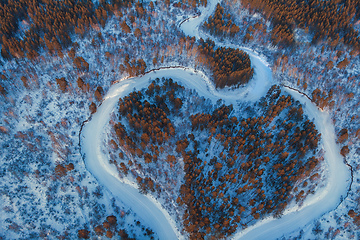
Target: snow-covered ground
column 150, row 210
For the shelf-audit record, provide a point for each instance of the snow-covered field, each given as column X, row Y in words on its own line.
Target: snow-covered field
column 148, row 209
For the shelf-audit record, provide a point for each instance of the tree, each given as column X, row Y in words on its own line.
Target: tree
column 345, row 150
column 178, row 103
column 155, row 61
column 123, row 234
column 106, row 225
column 343, row 135
column 70, row 167
column 99, row 230
column 137, row 32
column 25, row 82
column 81, row 64
column 317, row 228
column 80, row 82
column 72, row 53
column 83, row 234
column 92, row 108
column 2, row 90
column 62, row 83
column 343, row 64
column 125, row 27
column 109, row 234
column 218, row 166
column 99, row 93
column 60, row 170
column 329, row 65
column 234, row 29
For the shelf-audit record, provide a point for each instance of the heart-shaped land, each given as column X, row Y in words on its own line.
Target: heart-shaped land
column 223, row 167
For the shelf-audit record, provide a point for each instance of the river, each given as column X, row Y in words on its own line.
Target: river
column 149, row 210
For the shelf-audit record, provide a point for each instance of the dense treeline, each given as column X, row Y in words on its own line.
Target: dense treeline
column 236, row 169
column 46, row 24
column 355, row 216
column 147, row 127
column 322, row 99
column 328, row 20
column 28, row 26
column 221, row 23
column 133, row 67
column 231, row 67
column 188, row 3
column 111, row 227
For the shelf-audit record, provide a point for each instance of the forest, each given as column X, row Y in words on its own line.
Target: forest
column 247, row 167
column 75, row 58
column 220, row 23
column 330, row 21
column 111, row 228
column 230, row 67
column 52, row 25
column 27, row 27
column 47, row 24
